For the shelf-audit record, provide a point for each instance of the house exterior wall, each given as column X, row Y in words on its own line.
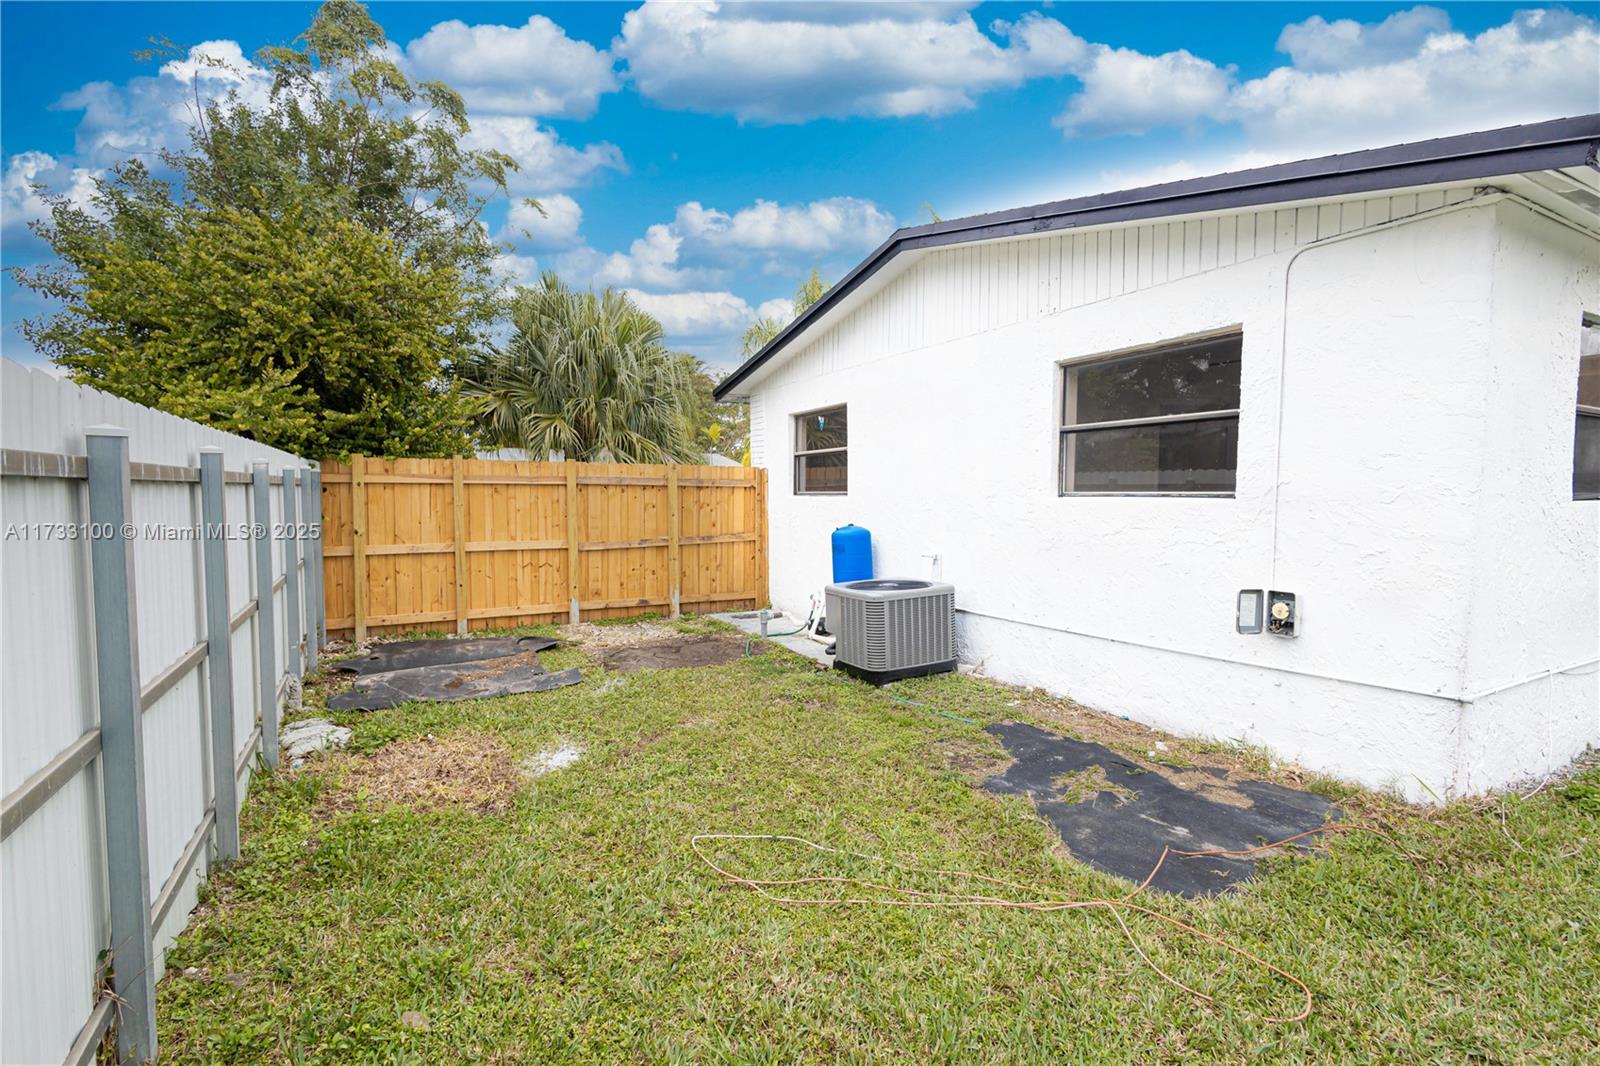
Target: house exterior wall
column 1378, row 501
column 1535, row 606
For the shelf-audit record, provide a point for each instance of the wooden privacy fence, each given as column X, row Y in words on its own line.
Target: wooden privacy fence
column 480, row 543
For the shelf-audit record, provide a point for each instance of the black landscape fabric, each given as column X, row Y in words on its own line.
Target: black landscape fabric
column 1124, row 836
column 476, row 680
column 405, row 654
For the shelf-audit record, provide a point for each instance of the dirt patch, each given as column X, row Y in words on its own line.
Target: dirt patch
column 599, row 638
column 1212, row 782
column 493, row 669
column 976, row 762
column 675, row 654
column 471, row 770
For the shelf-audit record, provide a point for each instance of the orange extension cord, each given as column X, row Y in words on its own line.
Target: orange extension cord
column 967, row 899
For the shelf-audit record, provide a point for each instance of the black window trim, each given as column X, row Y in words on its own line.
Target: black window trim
column 1584, row 411
column 797, row 419
column 1064, row 398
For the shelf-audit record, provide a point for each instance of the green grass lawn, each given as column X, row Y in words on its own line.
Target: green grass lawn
column 575, row 924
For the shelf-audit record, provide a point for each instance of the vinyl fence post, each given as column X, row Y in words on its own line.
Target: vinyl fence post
column 308, row 507
column 320, row 603
column 266, row 634
column 291, row 566
column 117, row 681
column 219, row 651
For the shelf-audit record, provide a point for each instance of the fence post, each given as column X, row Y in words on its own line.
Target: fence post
column 458, row 500
column 320, row 604
column 674, row 569
column 116, row 641
column 266, row 635
column 219, row 651
column 358, row 541
column 572, row 543
column 308, row 553
column 763, row 593
column 291, row 566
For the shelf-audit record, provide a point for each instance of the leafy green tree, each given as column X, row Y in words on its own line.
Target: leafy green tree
column 585, row 374
column 309, row 334
column 312, row 276
column 377, row 148
column 762, row 330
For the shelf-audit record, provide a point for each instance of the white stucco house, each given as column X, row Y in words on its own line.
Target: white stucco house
column 1354, row 380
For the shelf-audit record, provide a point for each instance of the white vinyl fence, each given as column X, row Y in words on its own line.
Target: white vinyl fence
column 161, row 598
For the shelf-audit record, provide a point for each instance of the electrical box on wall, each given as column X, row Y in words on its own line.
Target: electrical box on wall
column 1248, row 619
column 1283, row 614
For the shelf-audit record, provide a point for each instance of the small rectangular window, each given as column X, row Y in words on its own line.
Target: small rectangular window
column 1586, row 432
column 820, row 464
column 1163, row 421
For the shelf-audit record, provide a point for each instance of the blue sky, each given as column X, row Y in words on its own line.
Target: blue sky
column 705, row 157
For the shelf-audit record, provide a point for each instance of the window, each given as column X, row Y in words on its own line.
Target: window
column 1586, row 433
column 820, row 467
column 1163, row 421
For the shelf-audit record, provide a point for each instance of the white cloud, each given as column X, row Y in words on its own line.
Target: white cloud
column 22, row 203
column 1317, row 44
column 792, row 63
column 218, row 67
column 779, row 309
column 1356, row 84
column 695, row 315
column 651, row 260
column 704, row 246
column 547, row 163
column 554, row 228
column 532, row 69
column 517, row 269
column 147, row 114
column 680, row 270
column 1129, row 92
column 1539, row 65
column 820, row 226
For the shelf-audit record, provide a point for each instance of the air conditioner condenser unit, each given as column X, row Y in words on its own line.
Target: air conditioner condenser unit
column 889, row 628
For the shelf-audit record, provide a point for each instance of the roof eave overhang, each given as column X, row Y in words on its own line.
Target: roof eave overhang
column 1519, row 149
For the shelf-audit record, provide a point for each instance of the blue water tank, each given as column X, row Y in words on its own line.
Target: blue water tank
column 852, row 554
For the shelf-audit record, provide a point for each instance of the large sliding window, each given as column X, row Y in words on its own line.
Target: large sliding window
column 1586, row 433
column 821, row 464
column 1161, row 421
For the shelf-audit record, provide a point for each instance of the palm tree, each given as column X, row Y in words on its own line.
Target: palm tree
column 762, row 330
column 584, row 374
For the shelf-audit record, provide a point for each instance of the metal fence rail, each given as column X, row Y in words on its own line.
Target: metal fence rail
column 168, row 660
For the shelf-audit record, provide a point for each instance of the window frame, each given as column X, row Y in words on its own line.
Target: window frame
column 1583, row 411
column 1066, row 401
column 798, row 420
